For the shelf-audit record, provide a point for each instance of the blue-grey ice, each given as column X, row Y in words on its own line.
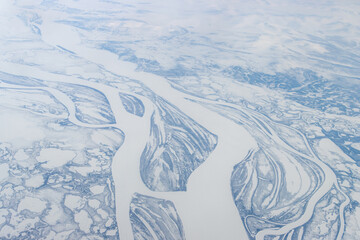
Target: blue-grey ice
column 179, row 120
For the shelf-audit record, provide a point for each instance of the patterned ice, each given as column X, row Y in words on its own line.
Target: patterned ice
column 91, row 105
column 46, row 186
column 177, row 146
column 154, row 218
column 132, row 104
column 179, row 120
column 275, row 187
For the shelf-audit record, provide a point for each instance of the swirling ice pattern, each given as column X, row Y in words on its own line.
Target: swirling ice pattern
column 59, row 183
column 85, row 190
column 91, row 105
column 282, row 188
column 177, row 146
column 154, row 218
column 132, row 104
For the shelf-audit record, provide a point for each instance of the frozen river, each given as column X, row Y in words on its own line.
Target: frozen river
column 99, row 141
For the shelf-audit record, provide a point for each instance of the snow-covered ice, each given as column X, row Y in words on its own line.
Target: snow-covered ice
column 179, row 120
